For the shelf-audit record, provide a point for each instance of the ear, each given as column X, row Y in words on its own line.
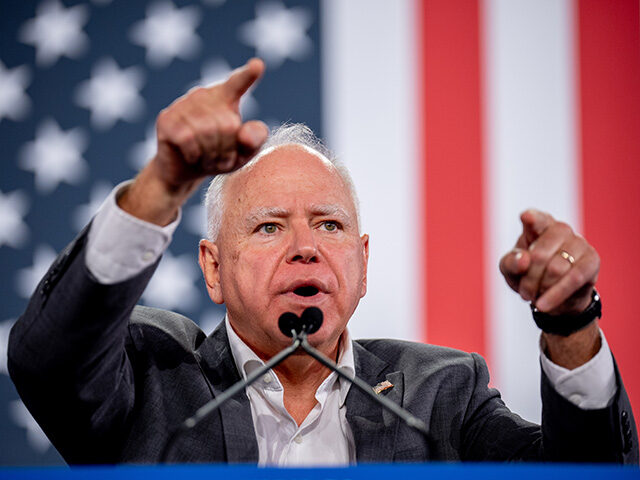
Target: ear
column 365, row 253
column 209, row 260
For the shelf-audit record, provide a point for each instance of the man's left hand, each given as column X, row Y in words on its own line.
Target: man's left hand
column 551, row 265
column 556, row 269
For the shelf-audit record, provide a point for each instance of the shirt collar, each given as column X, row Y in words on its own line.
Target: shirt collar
column 247, row 361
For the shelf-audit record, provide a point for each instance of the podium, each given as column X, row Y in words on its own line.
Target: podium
column 431, row 471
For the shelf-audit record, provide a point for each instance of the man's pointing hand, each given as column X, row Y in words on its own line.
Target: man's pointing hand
column 199, row 134
column 538, row 271
column 556, row 269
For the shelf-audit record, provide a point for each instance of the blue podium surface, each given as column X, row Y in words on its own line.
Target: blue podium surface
column 433, row 471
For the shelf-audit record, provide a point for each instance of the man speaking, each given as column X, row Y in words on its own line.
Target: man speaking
column 109, row 382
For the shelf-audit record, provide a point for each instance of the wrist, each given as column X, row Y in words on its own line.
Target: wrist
column 573, row 350
column 153, row 200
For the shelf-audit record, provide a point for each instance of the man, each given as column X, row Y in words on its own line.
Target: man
column 108, row 385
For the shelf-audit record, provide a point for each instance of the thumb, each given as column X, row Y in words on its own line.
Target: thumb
column 513, row 265
column 251, row 136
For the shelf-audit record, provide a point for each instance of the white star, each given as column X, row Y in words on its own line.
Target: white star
column 84, row 213
column 167, row 33
column 14, row 102
column 56, row 31
column 172, row 286
column 217, row 70
column 5, row 327
column 111, row 93
column 13, row 207
column 22, row 418
column 142, row 152
column 278, row 33
column 28, row 278
column 55, row 156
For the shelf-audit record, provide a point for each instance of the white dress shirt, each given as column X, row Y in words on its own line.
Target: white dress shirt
column 320, row 439
column 120, row 246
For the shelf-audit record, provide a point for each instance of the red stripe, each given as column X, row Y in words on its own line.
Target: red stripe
column 609, row 75
column 452, row 198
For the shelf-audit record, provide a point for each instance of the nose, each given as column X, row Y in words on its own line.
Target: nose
column 303, row 246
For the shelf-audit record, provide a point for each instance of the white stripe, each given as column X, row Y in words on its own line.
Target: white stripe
column 531, row 163
column 368, row 53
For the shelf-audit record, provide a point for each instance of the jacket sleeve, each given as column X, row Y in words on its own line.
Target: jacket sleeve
column 67, row 357
column 568, row 433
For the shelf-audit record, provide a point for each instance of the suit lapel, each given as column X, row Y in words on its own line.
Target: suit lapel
column 374, row 428
column 235, row 415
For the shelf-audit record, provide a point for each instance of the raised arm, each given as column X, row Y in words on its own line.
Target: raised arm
column 70, row 352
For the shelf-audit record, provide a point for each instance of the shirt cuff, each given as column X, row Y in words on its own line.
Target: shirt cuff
column 120, row 245
column 590, row 386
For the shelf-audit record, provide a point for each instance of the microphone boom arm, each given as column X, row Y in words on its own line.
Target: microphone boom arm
column 393, row 407
column 298, row 328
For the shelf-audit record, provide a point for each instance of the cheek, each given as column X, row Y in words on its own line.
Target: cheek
column 350, row 269
column 248, row 268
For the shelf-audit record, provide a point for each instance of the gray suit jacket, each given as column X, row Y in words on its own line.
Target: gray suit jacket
column 109, row 382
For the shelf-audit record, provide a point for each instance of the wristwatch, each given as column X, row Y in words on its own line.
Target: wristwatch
column 565, row 325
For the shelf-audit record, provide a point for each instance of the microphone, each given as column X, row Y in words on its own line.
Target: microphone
column 292, row 326
column 309, row 322
column 298, row 328
column 288, row 322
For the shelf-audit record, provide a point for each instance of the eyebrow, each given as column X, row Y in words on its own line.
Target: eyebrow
column 261, row 213
column 331, row 211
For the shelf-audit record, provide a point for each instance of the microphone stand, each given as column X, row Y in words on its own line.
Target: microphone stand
column 393, row 407
column 299, row 341
column 214, row 404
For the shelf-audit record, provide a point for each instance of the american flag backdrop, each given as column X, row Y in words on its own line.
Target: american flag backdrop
column 453, row 116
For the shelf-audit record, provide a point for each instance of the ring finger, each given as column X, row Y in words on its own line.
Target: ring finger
column 561, row 263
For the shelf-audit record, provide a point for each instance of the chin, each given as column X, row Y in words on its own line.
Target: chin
column 327, row 335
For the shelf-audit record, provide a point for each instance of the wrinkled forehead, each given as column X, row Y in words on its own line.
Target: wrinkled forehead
column 284, row 172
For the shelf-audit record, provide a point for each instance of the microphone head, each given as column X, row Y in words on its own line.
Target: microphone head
column 288, row 323
column 311, row 320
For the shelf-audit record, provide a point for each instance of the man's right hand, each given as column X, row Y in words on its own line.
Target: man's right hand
column 200, row 134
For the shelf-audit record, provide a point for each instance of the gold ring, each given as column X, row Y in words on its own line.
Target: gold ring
column 567, row 256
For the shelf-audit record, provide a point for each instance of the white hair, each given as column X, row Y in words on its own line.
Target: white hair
column 288, row 134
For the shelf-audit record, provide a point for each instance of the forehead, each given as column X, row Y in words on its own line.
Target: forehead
column 286, row 175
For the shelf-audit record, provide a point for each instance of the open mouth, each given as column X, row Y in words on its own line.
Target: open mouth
column 308, row 291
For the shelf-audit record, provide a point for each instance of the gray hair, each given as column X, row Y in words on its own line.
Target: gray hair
column 287, row 134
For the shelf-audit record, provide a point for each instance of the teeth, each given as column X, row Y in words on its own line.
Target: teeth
column 306, row 291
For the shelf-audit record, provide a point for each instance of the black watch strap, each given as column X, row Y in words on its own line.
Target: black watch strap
column 565, row 325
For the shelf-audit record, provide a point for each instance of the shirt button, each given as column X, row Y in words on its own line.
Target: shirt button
column 147, row 256
column 298, row 439
column 267, row 378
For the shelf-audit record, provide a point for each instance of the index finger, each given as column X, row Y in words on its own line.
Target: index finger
column 534, row 223
column 242, row 78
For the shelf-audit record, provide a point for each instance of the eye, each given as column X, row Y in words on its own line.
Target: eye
column 330, row 226
column 268, row 228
